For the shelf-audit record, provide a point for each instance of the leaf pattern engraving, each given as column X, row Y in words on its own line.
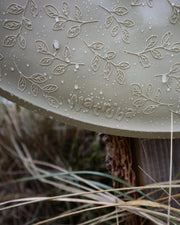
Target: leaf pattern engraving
column 53, row 102
column 34, row 8
column 95, row 64
column 65, row 8
column 51, row 57
column 1, row 57
column 151, row 42
column 121, row 26
column 22, row 83
column 146, row 97
column 107, row 59
column 154, row 49
column 38, row 78
column 50, row 88
column 9, row 41
column 175, row 12
column 37, row 85
column 34, row 89
column 61, row 19
column 142, row 2
column 22, row 42
column 18, row 25
column 59, row 25
column 41, row 47
column 11, row 24
column 74, row 31
column 15, row 9
column 77, row 13
column 172, row 74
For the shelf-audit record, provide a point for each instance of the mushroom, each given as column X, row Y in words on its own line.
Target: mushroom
column 108, row 66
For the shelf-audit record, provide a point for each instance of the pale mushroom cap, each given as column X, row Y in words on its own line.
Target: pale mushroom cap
column 108, row 66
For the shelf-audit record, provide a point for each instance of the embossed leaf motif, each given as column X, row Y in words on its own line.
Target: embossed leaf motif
column 27, row 23
column 39, row 78
column 149, row 90
column 130, row 113
column 59, row 25
column 21, row 42
column 120, row 11
column 110, row 55
column 34, row 90
column 166, row 39
column 120, row 77
column 74, row 31
column 95, row 64
column 47, row 61
column 136, row 2
column 108, row 21
column 175, row 68
column 22, row 84
column 150, row 3
column 115, row 31
column 136, row 89
column 125, row 36
column 156, row 54
column 60, row 69
column 15, row 9
column 12, row 24
column 107, row 69
column 50, row 88
column 41, row 46
column 158, row 95
column 144, row 60
column 77, row 13
column 97, row 45
column 124, row 65
column 174, row 15
column 1, row 57
column 139, row 102
column 34, row 8
column 9, row 41
column 178, row 87
column 151, row 41
column 51, row 11
column 176, row 47
column 53, row 101
column 128, row 23
column 150, row 109
column 65, row 8
column 67, row 54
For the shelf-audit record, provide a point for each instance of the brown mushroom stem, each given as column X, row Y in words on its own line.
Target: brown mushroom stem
column 119, row 163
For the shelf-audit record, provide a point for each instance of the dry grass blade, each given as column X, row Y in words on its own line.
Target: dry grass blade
column 82, row 192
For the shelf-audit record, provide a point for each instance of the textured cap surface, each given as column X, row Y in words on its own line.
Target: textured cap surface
column 109, row 66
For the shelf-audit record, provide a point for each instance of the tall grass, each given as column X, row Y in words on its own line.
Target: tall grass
column 55, row 174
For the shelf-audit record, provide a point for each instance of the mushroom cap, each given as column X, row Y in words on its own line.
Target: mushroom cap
column 108, row 66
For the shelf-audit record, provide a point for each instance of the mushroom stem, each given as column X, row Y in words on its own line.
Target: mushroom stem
column 119, row 163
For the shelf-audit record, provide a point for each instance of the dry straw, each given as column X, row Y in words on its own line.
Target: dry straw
column 90, row 194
